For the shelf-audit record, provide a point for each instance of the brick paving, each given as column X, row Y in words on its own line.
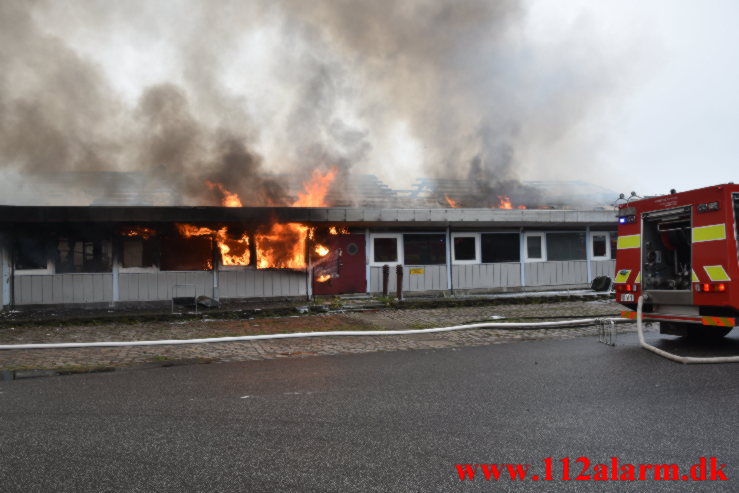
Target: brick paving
column 388, row 319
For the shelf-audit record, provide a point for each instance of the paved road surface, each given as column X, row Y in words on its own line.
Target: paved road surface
column 384, row 421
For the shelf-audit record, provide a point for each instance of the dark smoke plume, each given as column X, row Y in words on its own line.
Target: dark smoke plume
column 254, row 95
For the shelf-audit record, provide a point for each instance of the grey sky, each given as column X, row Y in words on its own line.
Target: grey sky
column 676, row 121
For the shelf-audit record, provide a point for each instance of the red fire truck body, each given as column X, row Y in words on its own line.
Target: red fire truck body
column 679, row 251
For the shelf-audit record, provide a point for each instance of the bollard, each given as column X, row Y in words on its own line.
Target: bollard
column 385, row 280
column 399, row 281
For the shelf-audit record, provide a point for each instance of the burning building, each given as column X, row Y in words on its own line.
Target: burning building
column 118, row 255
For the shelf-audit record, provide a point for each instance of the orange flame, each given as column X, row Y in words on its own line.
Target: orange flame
column 323, row 278
column 505, row 202
column 229, row 199
column 280, row 246
column 283, row 246
column 315, row 189
column 452, row 203
column 333, row 230
column 140, row 231
column 234, row 251
column 321, row 250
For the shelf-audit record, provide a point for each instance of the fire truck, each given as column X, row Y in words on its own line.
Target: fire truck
column 679, row 251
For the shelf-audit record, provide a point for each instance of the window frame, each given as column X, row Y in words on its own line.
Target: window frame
column 543, row 243
column 607, row 255
column 49, row 254
column 518, row 237
column 398, row 244
column 134, row 270
column 568, row 231
column 478, row 252
column 443, row 234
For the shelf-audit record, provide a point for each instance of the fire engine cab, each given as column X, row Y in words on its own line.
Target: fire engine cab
column 679, row 252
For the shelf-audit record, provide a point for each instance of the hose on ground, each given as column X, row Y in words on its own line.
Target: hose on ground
column 295, row 335
column 674, row 357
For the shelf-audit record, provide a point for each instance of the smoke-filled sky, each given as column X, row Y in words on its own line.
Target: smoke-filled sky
column 624, row 94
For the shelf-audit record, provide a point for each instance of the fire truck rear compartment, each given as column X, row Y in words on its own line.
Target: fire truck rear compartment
column 666, row 257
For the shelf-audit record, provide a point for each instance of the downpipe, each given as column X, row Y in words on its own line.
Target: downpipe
column 296, row 335
column 674, row 357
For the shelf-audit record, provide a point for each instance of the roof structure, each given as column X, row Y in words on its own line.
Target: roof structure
column 365, row 217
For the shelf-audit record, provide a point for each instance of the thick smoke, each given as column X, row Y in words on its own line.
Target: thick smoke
column 256, row 94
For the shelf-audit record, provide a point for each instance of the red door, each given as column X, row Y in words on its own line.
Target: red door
column 348, row 275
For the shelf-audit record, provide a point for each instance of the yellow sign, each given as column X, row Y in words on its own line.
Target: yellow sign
column 716, row 273
column 709, row 233
column 631, row 241
column 418, row 270
column 622, row 275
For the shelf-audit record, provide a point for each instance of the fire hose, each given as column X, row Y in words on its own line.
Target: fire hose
column 167, row 342
column 674, row 357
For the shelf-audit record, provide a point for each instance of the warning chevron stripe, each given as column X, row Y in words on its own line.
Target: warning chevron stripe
column 719, row 321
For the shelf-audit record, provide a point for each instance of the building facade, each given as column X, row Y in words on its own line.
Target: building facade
column 120, row 255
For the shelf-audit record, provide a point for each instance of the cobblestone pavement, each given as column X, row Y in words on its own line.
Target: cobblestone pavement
column 82, row 358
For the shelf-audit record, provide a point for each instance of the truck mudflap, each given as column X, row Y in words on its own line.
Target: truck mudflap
column 715, row 321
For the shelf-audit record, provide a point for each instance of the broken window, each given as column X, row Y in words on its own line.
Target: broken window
column 139, row 247
column 424, row 249
column 31, row 251
column 139, row 252
column 566, row 246
column 501, row 247
column 194, row 253
column 79, row 253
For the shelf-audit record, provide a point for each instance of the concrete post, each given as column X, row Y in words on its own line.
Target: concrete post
column 368, row 260
column 449, row 264
column 4, row 272
column 522, row 256
column 589, row 253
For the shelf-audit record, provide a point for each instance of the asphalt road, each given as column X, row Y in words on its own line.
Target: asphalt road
column 397, row 421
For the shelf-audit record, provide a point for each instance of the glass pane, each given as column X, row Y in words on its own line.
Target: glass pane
column 533, row 247
column 565, row 246
column 424, row 249
column 599, row 246
column 501, row 247
column 464, row 248
column 386, row 249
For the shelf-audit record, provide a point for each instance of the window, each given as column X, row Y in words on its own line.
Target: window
column 501, row 247
column 385, row 249
column 565, row 246
column 424, row 249
column 83, row 254
column 31, row 253
column 194, row 253
column 600, row 246
column 535, row 248
column 140, row 253
column 465, row 248
column 614, row 242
